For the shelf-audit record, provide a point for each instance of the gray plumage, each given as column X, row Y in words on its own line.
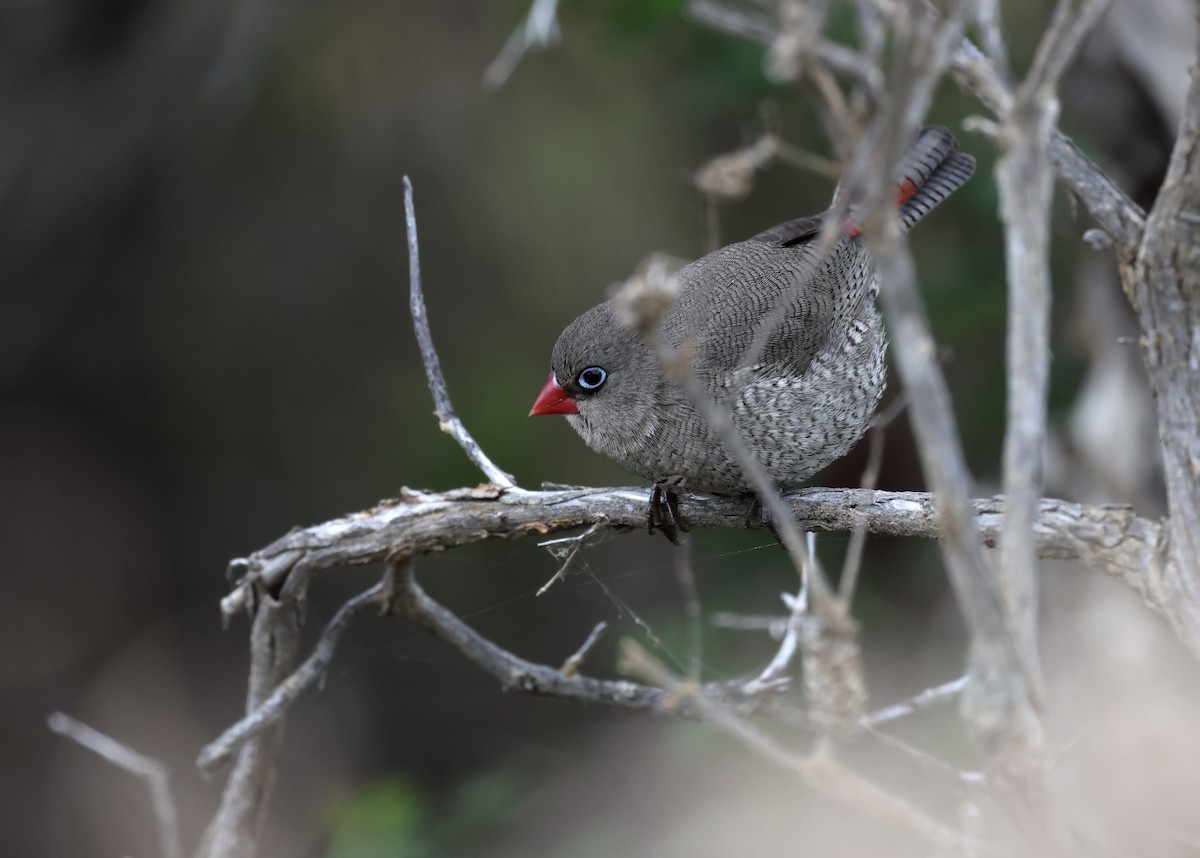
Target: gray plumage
column 801, row 395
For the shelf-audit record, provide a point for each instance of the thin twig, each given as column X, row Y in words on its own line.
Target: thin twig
column 571, row 666
column 537, row 31
column 150, row 770
column 222, row 749
column 773, row 675
column 514, row 672
column 565, row 549
column 447, row 419
column 917, row 703
column 928, row 761
column 1071, row 21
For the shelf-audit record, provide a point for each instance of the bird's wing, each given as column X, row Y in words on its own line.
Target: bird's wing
column 757, row 304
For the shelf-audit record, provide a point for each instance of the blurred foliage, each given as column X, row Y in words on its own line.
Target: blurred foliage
column 396, row 819
column 381, row 820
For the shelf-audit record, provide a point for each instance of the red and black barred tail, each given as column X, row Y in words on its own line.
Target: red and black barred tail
column 931, row 170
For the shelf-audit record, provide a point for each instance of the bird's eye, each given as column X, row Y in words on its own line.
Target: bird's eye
column 592, row 378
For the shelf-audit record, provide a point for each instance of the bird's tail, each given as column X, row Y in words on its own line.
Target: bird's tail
column 932, row 169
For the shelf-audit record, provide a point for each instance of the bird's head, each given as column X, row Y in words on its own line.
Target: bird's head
column 605, row 378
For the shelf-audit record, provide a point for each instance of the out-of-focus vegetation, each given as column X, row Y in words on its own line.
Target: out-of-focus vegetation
column 204, row 341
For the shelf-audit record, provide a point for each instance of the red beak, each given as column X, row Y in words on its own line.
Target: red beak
column 553, row 400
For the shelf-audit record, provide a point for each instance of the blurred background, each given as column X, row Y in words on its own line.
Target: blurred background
column 204, row 342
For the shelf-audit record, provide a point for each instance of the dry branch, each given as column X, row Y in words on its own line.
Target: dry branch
column 1111, row 539
column 1163, row 287
column 1025, row 179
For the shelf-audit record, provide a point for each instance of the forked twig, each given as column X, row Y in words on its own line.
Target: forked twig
column 222, row 749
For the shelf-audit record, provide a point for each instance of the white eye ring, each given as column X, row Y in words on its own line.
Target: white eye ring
column 592, row 378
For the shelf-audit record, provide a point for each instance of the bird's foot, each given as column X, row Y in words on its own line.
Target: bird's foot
column 664, row 513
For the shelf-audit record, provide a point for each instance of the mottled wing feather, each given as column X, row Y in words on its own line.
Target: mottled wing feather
column 743, row 306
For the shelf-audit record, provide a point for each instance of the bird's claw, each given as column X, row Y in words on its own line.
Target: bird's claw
column 664, row 514
column 760, row 512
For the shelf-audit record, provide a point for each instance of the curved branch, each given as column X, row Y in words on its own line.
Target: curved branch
column 1110, row 539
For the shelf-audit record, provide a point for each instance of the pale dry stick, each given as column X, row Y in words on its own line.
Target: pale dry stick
column 775, row 625
column 917, row 703
column 571, row 666
column 447, row 419
column 537, row 31
column 122, row 756
column 273, row 708
column 773, row 675
column 820, row 771
column 1000, row 685
column 1025, row 178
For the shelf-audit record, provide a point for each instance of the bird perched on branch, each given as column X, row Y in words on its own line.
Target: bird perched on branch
column 781, row 332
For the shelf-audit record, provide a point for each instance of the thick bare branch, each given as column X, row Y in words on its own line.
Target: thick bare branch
column 1111, row 539
column 1025, row 179
column 274, row 636
column 1163, row 286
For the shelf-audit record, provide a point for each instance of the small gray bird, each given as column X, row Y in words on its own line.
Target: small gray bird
column 789, row 340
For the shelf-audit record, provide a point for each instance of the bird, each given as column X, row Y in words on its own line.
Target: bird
column 784, row 336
